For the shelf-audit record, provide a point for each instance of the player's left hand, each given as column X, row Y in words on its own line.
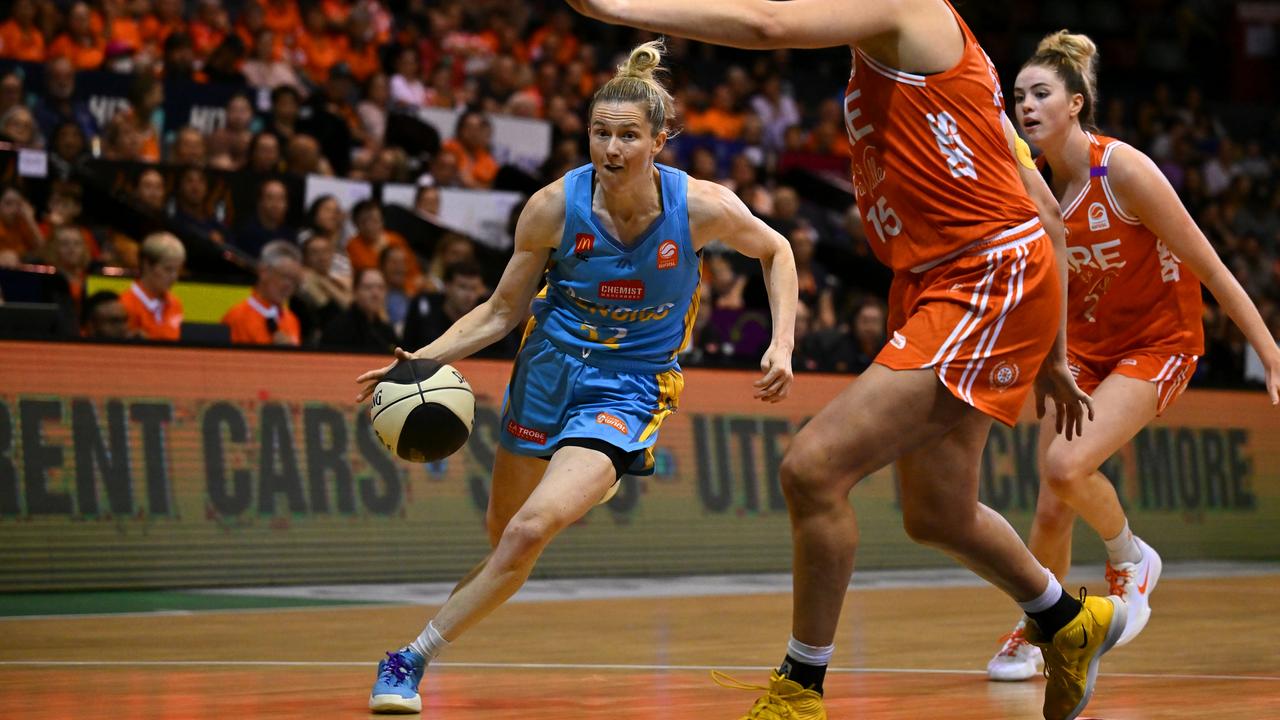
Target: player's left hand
column 369, row 380
column 776, row 366
column 1055, row 381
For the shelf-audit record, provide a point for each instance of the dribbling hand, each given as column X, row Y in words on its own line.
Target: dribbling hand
column 1071, row 403
column 776, row 383
column 369, row 380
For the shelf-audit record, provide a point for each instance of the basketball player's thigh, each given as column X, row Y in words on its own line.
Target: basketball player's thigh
column 875, row 420
column 941, row 476
column 1121, row 407
column 514, row 479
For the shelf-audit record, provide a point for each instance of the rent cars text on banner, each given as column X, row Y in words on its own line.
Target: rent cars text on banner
column 149, row 466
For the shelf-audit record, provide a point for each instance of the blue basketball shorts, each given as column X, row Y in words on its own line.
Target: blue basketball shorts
column 553, row 397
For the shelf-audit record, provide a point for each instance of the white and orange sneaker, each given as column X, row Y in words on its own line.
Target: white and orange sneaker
column 1018, row 659
column 1134, row 582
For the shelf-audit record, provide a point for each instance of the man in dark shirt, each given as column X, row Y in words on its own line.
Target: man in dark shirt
column 430, row 314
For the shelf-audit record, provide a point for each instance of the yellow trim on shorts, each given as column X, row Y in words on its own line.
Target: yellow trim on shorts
column 670, row 386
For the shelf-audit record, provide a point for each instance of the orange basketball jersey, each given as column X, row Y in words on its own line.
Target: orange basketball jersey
column 1126, row 290
column 932, row 172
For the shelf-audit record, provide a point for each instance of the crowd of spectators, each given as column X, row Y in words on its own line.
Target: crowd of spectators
column 319, row 85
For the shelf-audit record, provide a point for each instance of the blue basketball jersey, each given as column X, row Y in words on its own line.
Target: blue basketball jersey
column 617, row 307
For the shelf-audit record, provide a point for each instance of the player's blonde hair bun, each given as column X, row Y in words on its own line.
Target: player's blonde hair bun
column 637, row 82
column 1074, row 57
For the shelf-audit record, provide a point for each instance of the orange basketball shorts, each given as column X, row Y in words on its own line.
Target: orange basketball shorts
column 984, row 322
column 1169, row 370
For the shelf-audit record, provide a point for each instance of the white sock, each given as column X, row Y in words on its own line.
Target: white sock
column 1046, row 599
column 429, row 644
column 810, row 654
column 1123, row 548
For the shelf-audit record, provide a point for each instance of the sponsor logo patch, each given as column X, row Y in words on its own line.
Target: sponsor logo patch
column 1128, row 361
column 612, row 421
column 1004, row 375
column 668, row 255
column 621, row 290
column 516, row 429
column 1098, row 219
column 899, row 340
column 583, row 244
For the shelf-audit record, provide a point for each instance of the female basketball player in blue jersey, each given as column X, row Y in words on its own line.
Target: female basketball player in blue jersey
column 619, row 243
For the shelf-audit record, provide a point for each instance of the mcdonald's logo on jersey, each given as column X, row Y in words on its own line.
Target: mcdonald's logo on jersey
column 668, row 255
column 583, row 244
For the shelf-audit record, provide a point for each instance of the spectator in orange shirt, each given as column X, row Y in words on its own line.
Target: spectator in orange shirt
column 157, row 28
column 372, row 237
column 282, row 16
column 320, row 48
column 154, row 312
column 362, row 47
column 66, row 252
column 20, row 39
column 722, row 119
column 470, row 145
column 123, row 26
column 146, row 97
column 211, row 25
column 264, row 317
column 85, row 47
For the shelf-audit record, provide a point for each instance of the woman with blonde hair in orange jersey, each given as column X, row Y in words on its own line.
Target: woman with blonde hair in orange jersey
column 976, row 316
column 1134, row 324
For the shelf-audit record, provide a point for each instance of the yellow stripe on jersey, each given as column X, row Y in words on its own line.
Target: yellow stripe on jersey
column 690, row 315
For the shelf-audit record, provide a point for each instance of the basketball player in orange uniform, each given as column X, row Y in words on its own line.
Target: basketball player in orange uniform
column 977, row 308
column 1136, row 261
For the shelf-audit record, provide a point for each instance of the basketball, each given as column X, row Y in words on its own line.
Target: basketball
column 423, row 410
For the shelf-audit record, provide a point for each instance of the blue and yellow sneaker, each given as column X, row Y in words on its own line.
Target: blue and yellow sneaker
column 396, row 690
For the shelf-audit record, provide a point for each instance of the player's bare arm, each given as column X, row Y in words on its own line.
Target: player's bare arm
column 716, row 213
column 1054, row 379
column 537, row 233
column 1143, row 191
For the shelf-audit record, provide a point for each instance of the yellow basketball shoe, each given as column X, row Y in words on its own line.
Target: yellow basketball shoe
column 784, row 699
column 1071, row 657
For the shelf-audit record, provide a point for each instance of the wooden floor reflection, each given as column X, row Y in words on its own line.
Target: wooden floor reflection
column 1210, row 652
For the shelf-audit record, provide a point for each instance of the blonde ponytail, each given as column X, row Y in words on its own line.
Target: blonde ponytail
column 1074, row 58
column 637, row 82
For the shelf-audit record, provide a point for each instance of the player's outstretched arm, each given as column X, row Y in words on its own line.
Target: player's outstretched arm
column 716, row 213
column 755, row 24
column 538, row 232
column 1054, row 380
column 1143, row 192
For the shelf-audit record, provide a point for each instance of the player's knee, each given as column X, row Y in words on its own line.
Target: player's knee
column 526, row 535
column 923, row 528
column 1054, row 517
column 803, row 480
column 1062, row 472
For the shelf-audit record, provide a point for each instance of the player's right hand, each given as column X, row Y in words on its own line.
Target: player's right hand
column 369, row 380
column 1055, row 382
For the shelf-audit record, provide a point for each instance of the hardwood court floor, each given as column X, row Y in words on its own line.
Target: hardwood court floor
column 1211, row 652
